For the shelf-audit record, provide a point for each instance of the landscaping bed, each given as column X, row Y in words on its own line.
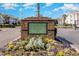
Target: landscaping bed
column 38, row 46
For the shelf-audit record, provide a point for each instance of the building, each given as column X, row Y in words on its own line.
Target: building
column 72, row 18
column 6, row 19
column 1, row 20
column 12, row 21
column 60, row 21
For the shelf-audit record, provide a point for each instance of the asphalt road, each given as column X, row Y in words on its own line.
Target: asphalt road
column 8, row 34
column 70, row 35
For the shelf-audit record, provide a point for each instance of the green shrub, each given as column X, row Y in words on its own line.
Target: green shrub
column 6, row 26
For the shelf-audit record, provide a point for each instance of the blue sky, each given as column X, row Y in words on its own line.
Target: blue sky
column 24, row 10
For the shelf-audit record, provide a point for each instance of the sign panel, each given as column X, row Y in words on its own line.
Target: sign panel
column 37, row 27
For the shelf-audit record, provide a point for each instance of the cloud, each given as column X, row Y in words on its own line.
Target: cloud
column 69, row 7
column 47, row 13
column 59, row 8
column 28, row 4
column 47, row 5
column 20, row 9
column 30, row 7
column 9, row 5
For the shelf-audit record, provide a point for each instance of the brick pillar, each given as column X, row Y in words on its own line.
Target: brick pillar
column 24, row 35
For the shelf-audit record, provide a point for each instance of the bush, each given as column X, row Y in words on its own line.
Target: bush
column 6, row 26
column 68, row 24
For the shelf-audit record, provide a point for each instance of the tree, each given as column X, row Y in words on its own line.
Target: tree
column 64, row 18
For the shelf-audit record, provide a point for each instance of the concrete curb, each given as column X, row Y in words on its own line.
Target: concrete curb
column 73, row 46
column 14, row 40
column 4, row 29
column 17, row 38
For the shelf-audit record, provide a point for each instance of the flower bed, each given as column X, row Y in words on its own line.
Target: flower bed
column 38, row 46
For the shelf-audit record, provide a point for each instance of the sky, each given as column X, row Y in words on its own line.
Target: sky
column 24, row 10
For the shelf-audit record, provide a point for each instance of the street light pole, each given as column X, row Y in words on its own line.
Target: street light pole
column 75, row 24
column 38, row 10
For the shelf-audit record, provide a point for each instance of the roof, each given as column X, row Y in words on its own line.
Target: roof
column 38, row 18
column 74, row 12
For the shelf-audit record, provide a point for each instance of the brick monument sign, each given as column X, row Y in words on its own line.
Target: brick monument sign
column 39, row 25
column 32, row 26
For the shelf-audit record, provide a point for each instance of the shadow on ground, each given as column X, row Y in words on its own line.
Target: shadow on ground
column 63, row 40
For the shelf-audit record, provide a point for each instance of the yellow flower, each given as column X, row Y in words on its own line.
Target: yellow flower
column 52, row 46
column 47, row 38
column 48, row 49
column 10, row 46
column 60, row 53
column 49, row 53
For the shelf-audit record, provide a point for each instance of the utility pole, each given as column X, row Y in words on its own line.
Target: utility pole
column 74, row 24
column 38, row 10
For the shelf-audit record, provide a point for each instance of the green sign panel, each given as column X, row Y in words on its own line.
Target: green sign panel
column 37, row 28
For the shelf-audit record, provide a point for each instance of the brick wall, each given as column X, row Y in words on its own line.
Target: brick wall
column 24, row 26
